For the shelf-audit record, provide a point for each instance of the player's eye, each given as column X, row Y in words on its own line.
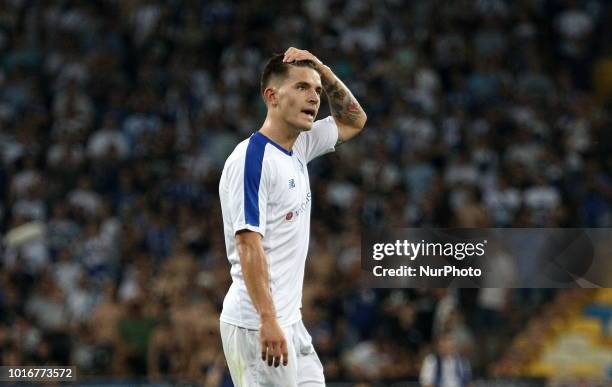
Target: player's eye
column 301, row 87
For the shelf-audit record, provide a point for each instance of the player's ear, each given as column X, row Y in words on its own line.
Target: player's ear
column 270, row 95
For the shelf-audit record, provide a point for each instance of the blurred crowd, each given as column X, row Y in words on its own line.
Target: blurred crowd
column 116, row 118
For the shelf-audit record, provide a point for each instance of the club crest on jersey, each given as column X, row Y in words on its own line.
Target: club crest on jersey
column 291, row 183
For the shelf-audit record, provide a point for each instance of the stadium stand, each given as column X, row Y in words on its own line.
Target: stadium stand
column 116, row 116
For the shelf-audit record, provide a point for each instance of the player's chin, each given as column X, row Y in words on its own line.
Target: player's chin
column 304, row 125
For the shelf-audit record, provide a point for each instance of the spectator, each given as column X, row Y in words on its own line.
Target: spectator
column 116, row 115
column 445, row 367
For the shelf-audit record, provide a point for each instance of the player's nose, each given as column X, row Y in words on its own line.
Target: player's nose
column 313, row 98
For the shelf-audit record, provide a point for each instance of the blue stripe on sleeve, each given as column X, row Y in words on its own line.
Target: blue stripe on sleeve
column 252, row 177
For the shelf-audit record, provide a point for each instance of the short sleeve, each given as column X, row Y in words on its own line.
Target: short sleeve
column 319, row 140
column 247, row 188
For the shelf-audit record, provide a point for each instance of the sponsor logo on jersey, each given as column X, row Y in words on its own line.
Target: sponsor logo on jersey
column 302, row 207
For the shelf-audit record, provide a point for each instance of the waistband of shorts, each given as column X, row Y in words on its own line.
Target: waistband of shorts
column 222, row 321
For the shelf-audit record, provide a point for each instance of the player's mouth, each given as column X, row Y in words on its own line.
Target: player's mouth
column 310, row 113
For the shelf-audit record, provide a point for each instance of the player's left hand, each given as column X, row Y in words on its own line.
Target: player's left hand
column 295, row 54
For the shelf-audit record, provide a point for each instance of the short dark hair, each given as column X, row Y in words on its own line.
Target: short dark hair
column 276, row 67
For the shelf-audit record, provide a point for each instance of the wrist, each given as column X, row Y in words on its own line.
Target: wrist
column 267, row 316
column 325, row 72
column 323, row 68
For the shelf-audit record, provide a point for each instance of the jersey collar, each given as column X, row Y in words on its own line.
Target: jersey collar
column 260, row 136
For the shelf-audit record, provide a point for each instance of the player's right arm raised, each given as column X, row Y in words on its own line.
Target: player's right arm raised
column 255, row 271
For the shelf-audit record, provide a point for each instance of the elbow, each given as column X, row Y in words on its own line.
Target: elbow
column 359, row 124
column 363, row 121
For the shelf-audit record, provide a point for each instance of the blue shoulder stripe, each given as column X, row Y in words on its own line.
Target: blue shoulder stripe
column 252, row 176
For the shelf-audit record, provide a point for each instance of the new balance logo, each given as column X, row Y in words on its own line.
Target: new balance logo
column 291, row 183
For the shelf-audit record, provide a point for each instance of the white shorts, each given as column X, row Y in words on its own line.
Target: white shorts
column 243, row 355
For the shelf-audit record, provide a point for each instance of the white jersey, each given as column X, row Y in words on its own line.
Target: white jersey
column 265, row 188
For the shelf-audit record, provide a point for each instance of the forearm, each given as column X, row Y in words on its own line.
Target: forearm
column 343, row 105
column 255, row 272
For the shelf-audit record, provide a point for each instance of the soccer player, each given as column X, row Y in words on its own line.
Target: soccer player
column 265, row 201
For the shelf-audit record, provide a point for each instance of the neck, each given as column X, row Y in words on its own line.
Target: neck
column 280, row 133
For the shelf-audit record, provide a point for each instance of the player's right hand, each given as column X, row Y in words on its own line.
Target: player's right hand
column 273, row 343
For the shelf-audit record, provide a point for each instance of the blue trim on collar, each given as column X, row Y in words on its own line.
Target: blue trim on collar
column 263, row 136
